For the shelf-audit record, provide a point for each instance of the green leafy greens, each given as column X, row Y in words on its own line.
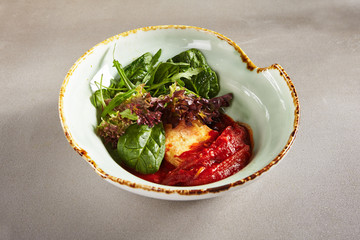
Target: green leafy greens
column 145, row 94
column 205, row 83
column 142, row 148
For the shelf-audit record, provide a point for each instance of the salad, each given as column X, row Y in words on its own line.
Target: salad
column 164, row 122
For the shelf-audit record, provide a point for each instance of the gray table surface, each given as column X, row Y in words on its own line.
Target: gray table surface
column 48, row 192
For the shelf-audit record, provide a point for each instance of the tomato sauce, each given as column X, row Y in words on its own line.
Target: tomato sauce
column 227, row 152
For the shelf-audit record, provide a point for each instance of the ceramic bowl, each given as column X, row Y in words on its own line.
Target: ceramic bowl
column 264, row 98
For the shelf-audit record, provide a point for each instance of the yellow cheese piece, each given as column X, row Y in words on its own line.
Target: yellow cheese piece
column 182, row 137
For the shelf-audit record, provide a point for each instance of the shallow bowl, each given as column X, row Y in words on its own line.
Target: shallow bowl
column 264, row 98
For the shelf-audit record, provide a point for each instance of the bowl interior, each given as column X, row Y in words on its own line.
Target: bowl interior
column 262, row 99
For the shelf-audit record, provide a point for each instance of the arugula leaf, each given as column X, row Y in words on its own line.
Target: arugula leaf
column 156, row 57
column 128, row 114
column 206, row 83
column 142, row 148
column 187, row 74
column 124, row 80
column 165, row 74
column 176, row 78
column 96, row 97
column 159, row 85
column 166, row 70
column 116, row 101
column 116, row 85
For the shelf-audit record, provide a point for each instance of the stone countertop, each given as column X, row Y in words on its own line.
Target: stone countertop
column 49, row 192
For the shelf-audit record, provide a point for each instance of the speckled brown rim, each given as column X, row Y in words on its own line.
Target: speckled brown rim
column 250, row 66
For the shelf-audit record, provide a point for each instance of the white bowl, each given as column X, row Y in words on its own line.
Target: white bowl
column 264, row 98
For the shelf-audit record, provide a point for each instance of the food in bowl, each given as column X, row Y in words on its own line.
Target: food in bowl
column 263, row 98
column 164, row 122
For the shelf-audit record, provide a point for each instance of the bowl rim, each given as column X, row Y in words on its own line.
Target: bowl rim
column 163, row 188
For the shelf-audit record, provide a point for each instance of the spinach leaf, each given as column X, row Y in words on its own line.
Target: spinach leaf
column 137, row 70
column 142, row 148
column 193, row 56
column 212, row 78
column 206, row 83
column 202, row 83
column 153, row 67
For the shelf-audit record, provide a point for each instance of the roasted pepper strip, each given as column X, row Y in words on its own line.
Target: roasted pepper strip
column 222, row 170
column 225, row 152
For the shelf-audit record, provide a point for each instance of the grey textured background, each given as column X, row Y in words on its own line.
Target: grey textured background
column 48, row 192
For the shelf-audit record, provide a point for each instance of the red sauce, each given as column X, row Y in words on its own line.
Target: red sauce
column 228, row 151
